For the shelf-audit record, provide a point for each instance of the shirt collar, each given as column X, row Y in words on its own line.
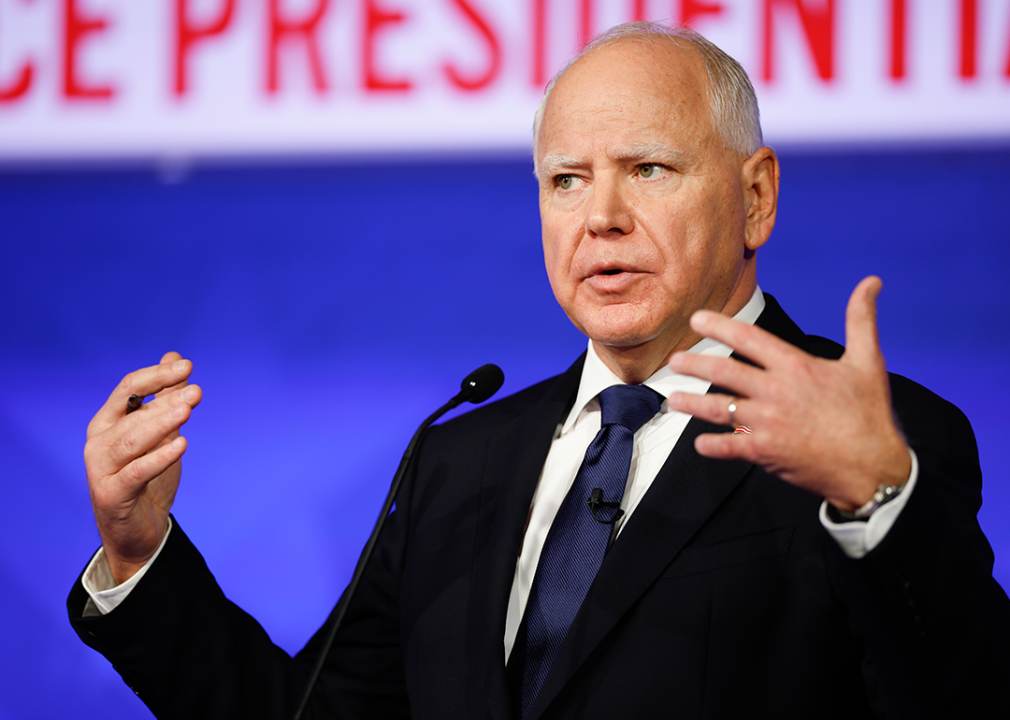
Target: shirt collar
column 597, row 377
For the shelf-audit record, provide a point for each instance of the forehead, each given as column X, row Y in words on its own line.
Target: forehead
column 629, row 92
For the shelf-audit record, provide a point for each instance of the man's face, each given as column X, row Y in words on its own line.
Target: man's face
column 643, row 209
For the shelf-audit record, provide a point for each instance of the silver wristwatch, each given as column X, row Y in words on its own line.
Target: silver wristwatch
column 884, row 495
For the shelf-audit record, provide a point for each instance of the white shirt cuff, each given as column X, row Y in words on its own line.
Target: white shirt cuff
column 859, row 538
column 105, row 595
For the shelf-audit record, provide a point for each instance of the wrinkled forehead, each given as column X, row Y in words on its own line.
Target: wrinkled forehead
column 631, row 84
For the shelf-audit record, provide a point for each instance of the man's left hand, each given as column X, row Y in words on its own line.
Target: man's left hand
column 823, row 425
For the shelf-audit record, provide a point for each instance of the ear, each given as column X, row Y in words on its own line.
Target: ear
column 760, row 176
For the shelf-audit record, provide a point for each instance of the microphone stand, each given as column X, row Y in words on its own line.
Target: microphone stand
column 476, row 387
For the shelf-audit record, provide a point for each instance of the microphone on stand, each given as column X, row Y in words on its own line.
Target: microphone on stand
column 476, row 387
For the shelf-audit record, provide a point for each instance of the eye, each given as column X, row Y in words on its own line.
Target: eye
column 565, row 182
column 648, row 170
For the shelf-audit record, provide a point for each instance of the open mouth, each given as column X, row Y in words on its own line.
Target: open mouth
column 612, row 272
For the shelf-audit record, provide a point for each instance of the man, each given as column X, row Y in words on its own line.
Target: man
column 733, row 582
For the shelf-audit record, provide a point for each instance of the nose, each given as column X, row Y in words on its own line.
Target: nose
column 608, row 213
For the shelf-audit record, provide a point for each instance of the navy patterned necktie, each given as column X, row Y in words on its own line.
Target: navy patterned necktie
column 581, row 531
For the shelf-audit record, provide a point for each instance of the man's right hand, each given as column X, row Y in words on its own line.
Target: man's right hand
column 133, row 461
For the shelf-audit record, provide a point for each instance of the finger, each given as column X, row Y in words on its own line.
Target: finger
column 169, row 397
column 143, row 470
column 725, row 446
column 712, row 407
column 182, row 392
column 143, row 382
column 190, row 395
column 724, row 372
column 752, row 342
column 861, row 339
column 151, row 380
column 109, row 453
column 172, row 357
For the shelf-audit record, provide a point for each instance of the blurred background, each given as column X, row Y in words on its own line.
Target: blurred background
column 329, row 207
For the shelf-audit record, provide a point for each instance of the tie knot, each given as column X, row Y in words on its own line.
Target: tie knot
column 630, row 406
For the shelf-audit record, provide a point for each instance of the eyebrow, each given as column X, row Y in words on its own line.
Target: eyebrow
column 551, row 164
column 655, row 152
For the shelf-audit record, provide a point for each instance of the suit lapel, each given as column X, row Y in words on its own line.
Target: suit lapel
column 687, row 491
column 515, row 459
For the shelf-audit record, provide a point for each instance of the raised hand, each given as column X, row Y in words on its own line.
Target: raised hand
column 824, row 425
column 133, row 461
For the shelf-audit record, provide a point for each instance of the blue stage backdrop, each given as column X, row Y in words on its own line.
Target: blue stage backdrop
column 329, row 308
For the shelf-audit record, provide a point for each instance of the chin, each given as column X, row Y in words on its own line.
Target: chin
column 622, row 343
column 620, row 337
column 621, row 326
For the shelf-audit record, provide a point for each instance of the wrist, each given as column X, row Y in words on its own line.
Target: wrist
column 123, row 570
column 883, row 495
column 126, row 559
column 875, row 491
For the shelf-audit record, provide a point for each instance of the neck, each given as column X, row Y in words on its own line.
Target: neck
column 634, row 365
column 637, row 363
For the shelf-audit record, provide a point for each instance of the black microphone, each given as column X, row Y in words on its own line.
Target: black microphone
column 481, row 384
column 476, row 387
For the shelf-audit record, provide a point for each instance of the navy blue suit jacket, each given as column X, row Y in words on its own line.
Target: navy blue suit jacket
column 723, row 597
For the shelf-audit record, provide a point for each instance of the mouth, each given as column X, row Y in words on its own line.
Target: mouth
column 609, row 279
column 608, row 268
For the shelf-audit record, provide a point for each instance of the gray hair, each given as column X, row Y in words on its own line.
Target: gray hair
column 732, row 100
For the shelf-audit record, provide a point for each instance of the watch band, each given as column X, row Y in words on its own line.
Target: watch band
column 884, row 495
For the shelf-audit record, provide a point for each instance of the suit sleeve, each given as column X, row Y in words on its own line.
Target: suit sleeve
column 188, row 652
column 934, row 623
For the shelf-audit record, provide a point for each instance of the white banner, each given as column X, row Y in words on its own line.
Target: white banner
column 139, row 78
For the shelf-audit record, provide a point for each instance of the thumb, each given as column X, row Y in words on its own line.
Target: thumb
column 861, row 340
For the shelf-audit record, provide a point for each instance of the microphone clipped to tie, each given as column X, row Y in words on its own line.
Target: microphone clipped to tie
column 596, row 504
column 476, row 387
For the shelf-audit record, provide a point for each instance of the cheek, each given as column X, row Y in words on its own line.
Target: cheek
column 553, row 260
column 691, row 229
column 559, row 242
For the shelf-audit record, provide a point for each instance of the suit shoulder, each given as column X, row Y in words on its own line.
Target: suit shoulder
column 822, row 347
column 929, row 420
